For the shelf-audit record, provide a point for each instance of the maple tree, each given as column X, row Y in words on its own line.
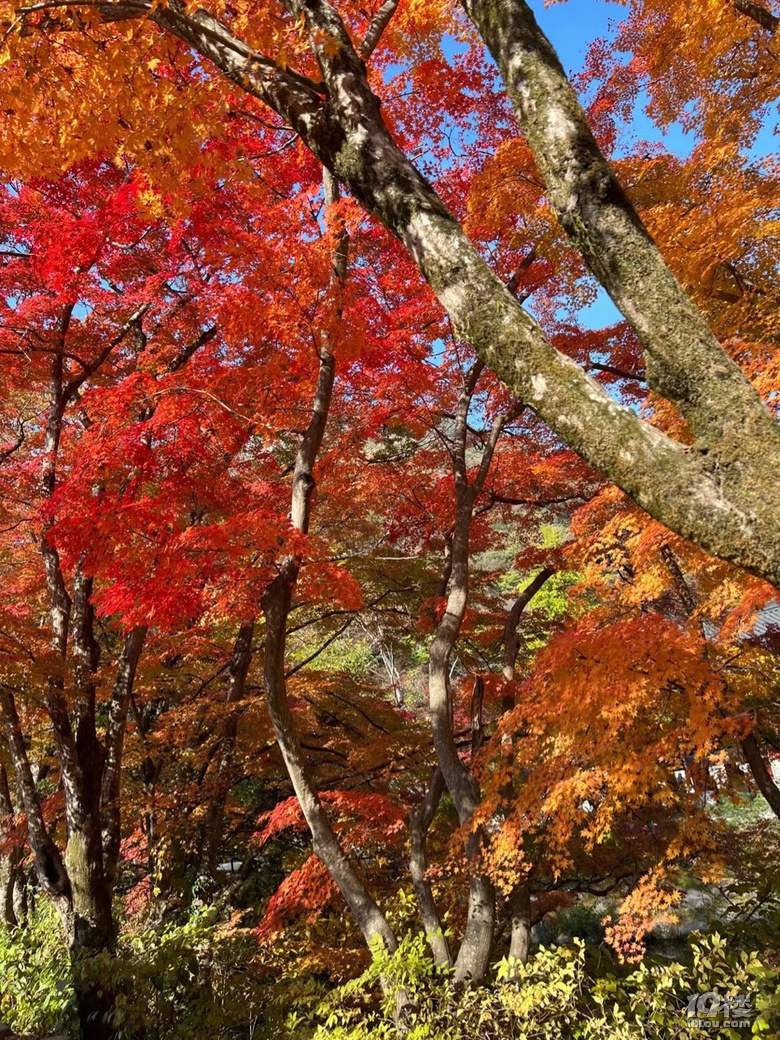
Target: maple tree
column 338, row 118
column 278, row 431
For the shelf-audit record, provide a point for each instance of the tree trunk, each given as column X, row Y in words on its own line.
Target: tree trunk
column 94, row 1007
column 212, row 827
column 110, row 805
column 759, row 14
column 520, row 897
column 722, row 494
column 474, row 955
column 93, row 923
column 277, row 600
column 276, row 603
column 49, row 868
column 511, row 633
column 75, row 885
column 9, row 860
column 419, row 825
column 520, row 911
column 761, row 773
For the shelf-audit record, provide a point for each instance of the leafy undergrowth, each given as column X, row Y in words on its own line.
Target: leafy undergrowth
column 203, row 980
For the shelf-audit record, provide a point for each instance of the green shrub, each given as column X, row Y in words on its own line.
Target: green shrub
column 190, row 981
column 203, row 980
column 558, row 995
column 36, row 994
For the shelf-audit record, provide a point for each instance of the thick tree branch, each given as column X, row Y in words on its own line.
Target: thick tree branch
column 723, row 497
column 685, row 362
column 721, row 493
column 376, row 28
column 758, row 13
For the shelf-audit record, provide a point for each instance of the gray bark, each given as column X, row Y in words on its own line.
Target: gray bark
column 277, row 600
column 721, row 494
column 276, row 603
column 511, row 633
column 379, row 23
column 520, row 913
column 685, row 362
column 520, row 897
column 474, row 954
column 419, row 825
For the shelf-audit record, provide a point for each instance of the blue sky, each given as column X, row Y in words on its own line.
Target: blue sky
column 572, row 27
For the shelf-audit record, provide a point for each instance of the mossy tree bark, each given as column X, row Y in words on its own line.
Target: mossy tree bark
column 79, row 879
column 721, row 493
column 276, row 604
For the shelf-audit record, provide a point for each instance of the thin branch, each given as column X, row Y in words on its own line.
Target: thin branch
column 324, row 646
column 73, row 385
column 203, row 393
column 622, row 373
column 376, row 28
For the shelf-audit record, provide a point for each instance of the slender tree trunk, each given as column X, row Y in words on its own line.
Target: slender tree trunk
column 520, row 897
column 110, row 804
column 277, row 600
column 722, row 494
column 419, row 825
column 215, row 816
column 9, row 860
column 91, row 890
column 50, row 869
column 83, row 907
column 474, row 954
column 749, row 745
column 276, row 603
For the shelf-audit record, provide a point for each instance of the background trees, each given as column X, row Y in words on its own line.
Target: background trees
column 295, row 417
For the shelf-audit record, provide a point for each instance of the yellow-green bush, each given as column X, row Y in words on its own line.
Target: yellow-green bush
column 561, row 994
column 190, row 981
column 198, row 980
column 36, row 993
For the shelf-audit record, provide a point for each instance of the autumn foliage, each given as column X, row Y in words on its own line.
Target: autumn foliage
column 326, row 605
